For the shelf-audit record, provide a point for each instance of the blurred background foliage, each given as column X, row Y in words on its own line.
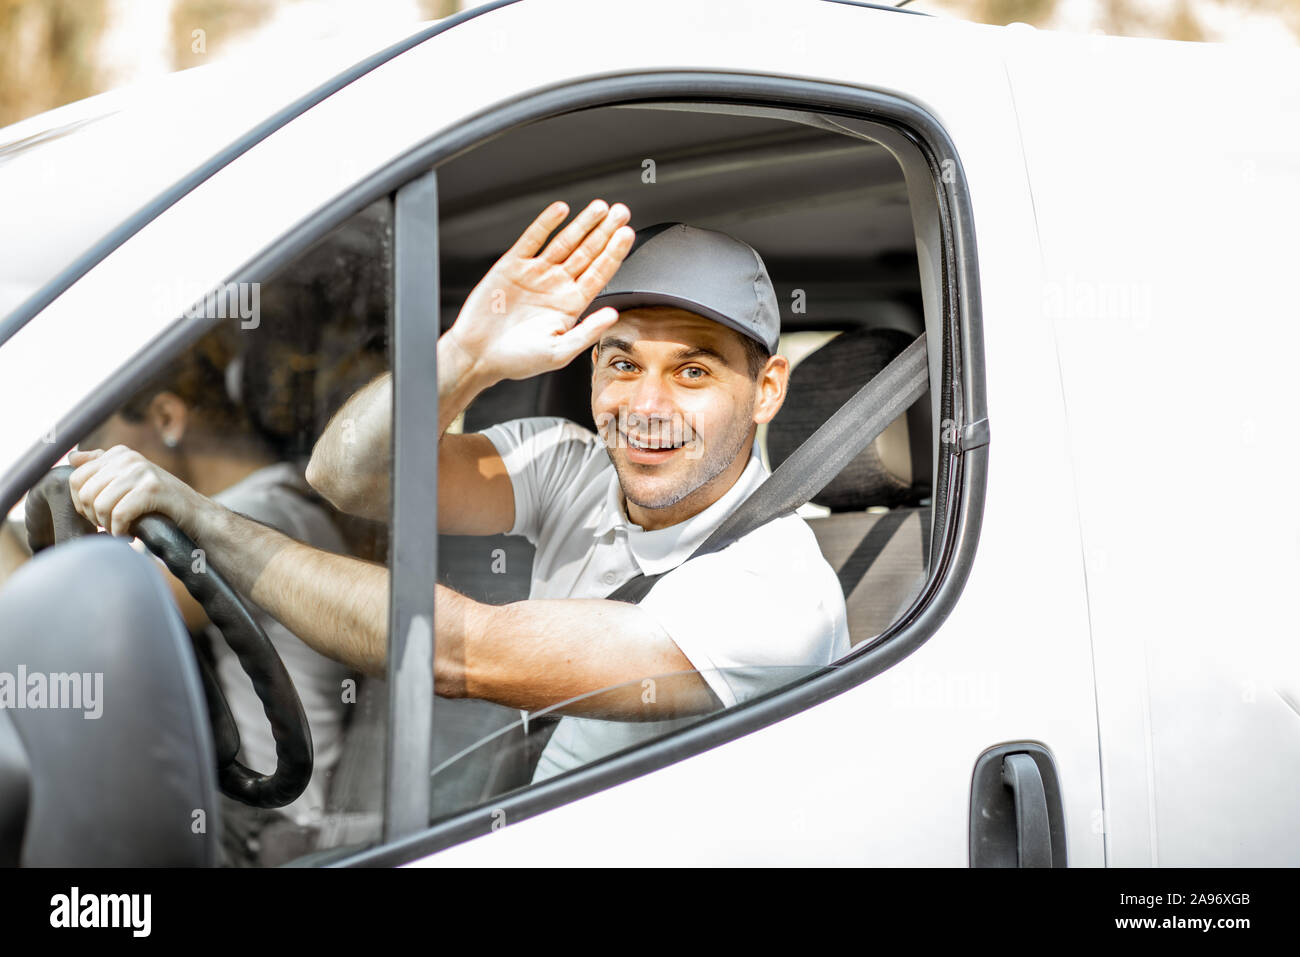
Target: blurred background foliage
column 56, row 51
column 48, row 54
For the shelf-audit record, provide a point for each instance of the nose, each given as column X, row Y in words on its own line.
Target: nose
column 650, row 401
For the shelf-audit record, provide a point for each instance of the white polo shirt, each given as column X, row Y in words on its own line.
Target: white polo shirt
column 751, row 617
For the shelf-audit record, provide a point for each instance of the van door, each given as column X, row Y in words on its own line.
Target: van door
column 1166, row 189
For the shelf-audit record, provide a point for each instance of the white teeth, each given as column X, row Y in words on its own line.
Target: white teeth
column 645, row 446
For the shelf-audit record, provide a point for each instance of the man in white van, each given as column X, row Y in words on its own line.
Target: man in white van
column 682, row 337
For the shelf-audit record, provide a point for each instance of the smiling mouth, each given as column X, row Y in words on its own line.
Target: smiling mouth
column 651, row 445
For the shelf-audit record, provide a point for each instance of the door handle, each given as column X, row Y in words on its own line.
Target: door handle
column 1016, row 818
column 1033, row 837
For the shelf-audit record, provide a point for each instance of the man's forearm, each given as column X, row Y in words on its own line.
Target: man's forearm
column 544, row 652
column 336, row 604
column 352, row 461
column 459, row 381
column 529, row 654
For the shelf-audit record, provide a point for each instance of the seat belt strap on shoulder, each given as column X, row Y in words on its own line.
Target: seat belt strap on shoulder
column 821, row 457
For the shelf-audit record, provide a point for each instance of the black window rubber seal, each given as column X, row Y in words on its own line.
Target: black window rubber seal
column 25, row 311
column 966, row 461
column 966, row 464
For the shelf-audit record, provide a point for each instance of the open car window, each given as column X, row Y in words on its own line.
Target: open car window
column 832, row 217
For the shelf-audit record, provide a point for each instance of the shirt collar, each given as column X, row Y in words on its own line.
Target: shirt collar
column 660, row 549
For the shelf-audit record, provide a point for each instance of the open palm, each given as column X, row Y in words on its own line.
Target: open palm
column 522, row 318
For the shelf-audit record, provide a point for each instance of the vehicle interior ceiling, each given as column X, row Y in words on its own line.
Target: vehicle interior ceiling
column 830, row 215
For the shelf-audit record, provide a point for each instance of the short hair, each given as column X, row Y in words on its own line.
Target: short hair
column 197, row 376
column 756, row 354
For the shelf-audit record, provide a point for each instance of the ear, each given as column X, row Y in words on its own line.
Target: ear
column 170, row 418
column 771, row 388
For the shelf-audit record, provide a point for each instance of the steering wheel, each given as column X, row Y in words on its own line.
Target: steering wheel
column 52, row 519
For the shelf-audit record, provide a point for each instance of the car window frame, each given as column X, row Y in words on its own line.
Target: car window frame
column 963, row 450
column 963, row 444
column 413, row 516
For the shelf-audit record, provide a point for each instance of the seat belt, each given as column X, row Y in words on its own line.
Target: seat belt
column 821, row 457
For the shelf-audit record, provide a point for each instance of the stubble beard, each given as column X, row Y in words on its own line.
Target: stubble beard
column 713, row 464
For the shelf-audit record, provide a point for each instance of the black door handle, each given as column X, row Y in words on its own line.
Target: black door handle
column 1016, row 818
column 1033, row 837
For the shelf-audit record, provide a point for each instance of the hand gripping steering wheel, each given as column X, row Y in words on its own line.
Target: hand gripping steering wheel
column 52, row 519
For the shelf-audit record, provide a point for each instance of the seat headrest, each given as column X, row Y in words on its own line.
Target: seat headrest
column 894, row 469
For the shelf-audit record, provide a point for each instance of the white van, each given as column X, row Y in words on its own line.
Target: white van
column 1071, row 644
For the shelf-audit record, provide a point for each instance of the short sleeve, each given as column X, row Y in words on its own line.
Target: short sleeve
column 543, row 456
column 748, row 628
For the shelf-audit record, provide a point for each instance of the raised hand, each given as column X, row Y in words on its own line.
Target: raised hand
column 522, row 318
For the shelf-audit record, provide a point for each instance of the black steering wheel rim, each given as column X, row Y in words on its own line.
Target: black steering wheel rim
column 52, row 519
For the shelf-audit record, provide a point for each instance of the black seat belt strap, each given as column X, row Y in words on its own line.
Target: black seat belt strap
column 821, row 457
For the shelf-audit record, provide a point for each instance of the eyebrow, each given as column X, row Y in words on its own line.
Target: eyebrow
column 681, row 355
column 612, row 342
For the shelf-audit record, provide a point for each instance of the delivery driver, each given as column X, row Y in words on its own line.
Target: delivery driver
column 682, row 341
